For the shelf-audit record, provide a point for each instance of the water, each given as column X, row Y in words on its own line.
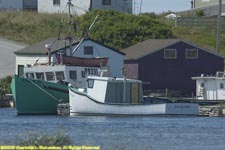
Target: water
column 120, row 133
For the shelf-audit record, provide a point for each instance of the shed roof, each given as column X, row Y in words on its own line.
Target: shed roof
column 39, row 48
column 152, row 45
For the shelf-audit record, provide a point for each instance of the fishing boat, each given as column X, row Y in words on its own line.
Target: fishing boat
column 120, row 96
column 44, row 87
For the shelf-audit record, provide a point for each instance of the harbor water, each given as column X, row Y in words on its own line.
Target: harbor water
column 119, row 133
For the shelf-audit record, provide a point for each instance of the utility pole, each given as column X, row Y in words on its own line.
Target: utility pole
column 141, row 7
column 218, row 28
column 69, row 25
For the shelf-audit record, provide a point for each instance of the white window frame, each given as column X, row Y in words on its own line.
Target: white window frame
column 186, row 54
column 166, row 57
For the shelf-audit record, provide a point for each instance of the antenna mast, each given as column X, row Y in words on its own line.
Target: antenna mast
column 69, row 27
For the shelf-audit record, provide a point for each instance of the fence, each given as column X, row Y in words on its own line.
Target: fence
column 204, row 23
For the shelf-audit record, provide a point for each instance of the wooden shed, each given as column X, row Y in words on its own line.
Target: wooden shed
column 169, row 64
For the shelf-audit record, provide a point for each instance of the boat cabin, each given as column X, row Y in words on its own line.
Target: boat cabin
column 210, row 87
column 115, row 90
column 64, row 74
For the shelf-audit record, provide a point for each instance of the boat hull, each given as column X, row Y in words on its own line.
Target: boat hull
column 37, row 96
column 81, row 104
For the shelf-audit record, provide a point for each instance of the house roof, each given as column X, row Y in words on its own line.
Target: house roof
column 40, row 49
column 152, row 45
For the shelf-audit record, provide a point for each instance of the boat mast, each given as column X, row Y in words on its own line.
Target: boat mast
column 69, row 27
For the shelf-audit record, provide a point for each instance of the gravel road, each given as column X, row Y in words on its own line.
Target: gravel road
column 7, row 57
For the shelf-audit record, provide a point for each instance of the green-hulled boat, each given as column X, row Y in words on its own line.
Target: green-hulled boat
column 37, row 96
column 43, row 87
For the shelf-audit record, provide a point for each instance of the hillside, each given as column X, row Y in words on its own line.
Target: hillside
column 114, row 29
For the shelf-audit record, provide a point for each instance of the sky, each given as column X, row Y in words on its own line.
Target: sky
column 159, row 6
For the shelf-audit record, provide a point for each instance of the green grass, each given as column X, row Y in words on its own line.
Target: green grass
column 31, row 27
column 34, row 139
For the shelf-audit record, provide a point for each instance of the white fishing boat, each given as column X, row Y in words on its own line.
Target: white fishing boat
column 210, row 88
column 120, row 96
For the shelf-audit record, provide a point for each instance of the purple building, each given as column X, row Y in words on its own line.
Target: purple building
column 170, row 63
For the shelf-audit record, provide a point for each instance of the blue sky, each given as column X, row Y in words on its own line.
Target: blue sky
column 159, row 6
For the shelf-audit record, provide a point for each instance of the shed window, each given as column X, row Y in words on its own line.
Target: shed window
column 56, row 2
column 40, row 76
column 60, row 75
column 88, row 50
column 73, row 75
column 106, row 2
column 221, row 86
column 49, row 76
column 170, row 53
column 191, row 53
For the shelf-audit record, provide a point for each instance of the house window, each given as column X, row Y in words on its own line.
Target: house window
column 88, row 50
column 60, row 75
column 56, row 2
column 106, row 2
column 49, row 76
column 170, row 53
column 221, row 86
column 191, row 53
column 73, row 75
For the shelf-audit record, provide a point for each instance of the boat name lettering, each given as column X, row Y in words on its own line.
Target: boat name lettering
column 182, row 107
column 91, row 71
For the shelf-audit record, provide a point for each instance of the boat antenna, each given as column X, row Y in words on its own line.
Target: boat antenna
column 85, row 35
column 69, row 27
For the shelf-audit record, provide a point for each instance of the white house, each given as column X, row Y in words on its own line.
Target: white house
column 18, row 4
column 88, row 49
column 125, row 6
column 80, row 7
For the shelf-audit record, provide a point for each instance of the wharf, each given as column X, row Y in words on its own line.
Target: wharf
column 7, row 101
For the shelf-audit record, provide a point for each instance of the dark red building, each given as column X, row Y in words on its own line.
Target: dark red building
column 170, row 63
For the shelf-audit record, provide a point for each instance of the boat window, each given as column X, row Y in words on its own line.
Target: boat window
column 88, row 50
column 170, row 53
column 49, row 76
column 60, row 75
column 202, row 85
column 40, row 75
column 90, row 83
column 30, row 75
column 83, row 74
column 221, row 85
column 73, row 75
